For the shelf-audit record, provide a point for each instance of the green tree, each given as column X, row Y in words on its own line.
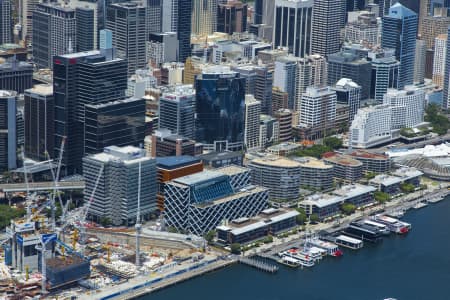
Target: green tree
column 8, row 213
column 209, row 237
column 301, row 217
column 104, row 221
column 235, row 248
column 370, row 175
column 439, row 122
column 268, row 239
column 348, row 208
column 381, row 197
column 407, row 187
column 332, row 142
column 172, row 229
column 314, row 218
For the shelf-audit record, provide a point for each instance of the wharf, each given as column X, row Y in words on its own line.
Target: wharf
column 140, row 286
column 258, row 264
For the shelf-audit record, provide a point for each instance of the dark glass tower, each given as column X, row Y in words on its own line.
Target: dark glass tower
column 85, row 29
column 116, row 123
column 399, row 33
column 79, row 79
column 220, row 99
column 184, row 29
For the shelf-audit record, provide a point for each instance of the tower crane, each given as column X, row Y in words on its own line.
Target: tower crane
column 138, row 225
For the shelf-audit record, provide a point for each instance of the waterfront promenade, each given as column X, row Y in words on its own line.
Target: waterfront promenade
column 145, row 284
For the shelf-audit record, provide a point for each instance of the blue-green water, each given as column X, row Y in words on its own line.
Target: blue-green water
column 411, row 267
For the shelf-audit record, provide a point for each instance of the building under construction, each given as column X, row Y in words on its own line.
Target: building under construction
column 65, row 270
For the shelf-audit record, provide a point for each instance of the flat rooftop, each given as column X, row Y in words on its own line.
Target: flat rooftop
column 385, row 180
column 353, row 190
column 369, row 155
column 232, row 170
column 242, row 225
column 312, row 162
column 174, row 162
column 276, row 162
column 197, row 178
column 322, row 200
column 284, row 147
column 407, row 173
column 341, row 159
column 41, row 89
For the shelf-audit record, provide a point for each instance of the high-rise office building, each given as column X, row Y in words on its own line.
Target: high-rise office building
column 348, row 92
column 154, row 16
column 16, row 75
column 118, row 193
column 232, row 17
column 79, row 79
column 39, row 122
column 440, row 50
column 385, row 71
column 220, row 98
column 399, row 32
column 115, row 123
column 27, row 9
column 365, row 28
column 311, row 71
column 431, row 27
column 252, row 123
column 347, row 64
column 6, row 24
column 88, row 18
column 204, row 17
column 162, row 47
column 177, row 111
column 318, row 110
column 258, row 82
column 127, row 21
column 54, row 32
column 446, row 94
column 419, row 61
column 284, row 77
column 8, row 130
column 263, row 17
column 293, row 26
column 328, row 18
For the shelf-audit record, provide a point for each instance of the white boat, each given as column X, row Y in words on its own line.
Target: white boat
column 304, row 260
column 393, row 224
column 420, row 205
column 383, row 228
column 331, row 248
column 349, row 242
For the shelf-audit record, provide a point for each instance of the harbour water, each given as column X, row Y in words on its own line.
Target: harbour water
column 411, row 267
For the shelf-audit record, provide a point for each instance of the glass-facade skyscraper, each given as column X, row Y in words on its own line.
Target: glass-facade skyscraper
column 220, row 101
column 79, row 79
column 399, row 33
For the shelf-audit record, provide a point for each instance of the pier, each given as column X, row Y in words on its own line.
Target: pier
column 258, row 264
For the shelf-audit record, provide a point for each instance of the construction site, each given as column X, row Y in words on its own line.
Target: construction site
column 71, row 258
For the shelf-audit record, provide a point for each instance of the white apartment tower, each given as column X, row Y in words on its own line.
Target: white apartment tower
column 440, row 50
column 318, row 108
column 252, row 123
column 413, row 101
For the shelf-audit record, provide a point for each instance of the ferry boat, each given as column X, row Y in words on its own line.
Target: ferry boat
column 393, row 224
column 330, row 248
column 303, row 259
column 368, row 233
column 349, row 242
column 315, row 253
column 383, row 228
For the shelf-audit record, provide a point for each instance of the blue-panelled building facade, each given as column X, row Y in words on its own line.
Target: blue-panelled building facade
column 199, row 202
column 399, row 33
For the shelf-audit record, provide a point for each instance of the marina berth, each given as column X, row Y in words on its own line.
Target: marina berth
column 383, row 228
column 349, row 242
column 366, row 232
